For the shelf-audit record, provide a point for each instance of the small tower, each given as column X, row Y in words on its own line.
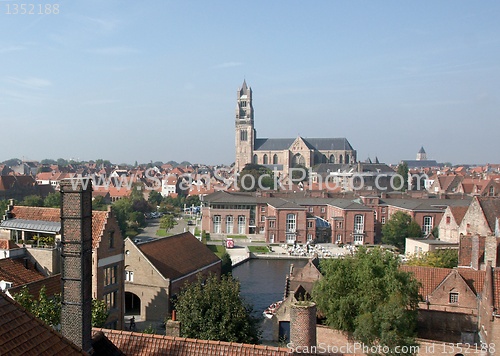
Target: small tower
column 244, row 129
column 421, row 155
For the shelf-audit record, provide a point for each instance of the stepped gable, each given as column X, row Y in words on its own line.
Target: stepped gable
column 23, row 334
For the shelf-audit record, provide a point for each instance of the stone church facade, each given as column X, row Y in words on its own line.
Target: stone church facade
column 282, row 154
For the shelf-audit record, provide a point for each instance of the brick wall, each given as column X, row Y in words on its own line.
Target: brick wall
column 303, row 324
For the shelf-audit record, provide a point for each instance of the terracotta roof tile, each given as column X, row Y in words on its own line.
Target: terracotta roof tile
column 178, row 255
column 23, row 334
column 458, row 213
column 52, row 286
column 14, row 270
column 132, row 344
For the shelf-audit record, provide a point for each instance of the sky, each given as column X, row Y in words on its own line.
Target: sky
column 156, row 80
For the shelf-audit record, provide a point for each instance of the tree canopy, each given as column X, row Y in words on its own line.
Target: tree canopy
column 253, row 177
column 215, row 311
column 398, row 228
column 402, row 172
column 446, row 258
column 367, row 296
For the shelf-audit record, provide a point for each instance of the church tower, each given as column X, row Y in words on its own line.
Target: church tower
column 244, row 129
column 421, row 155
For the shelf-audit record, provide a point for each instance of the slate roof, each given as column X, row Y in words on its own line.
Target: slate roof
column 13, row 270
column 421, row 164
column 178, row 255
column 132, row 343
column 32, row 225
column 320, row 144
column 23, row 334
column 38, row 214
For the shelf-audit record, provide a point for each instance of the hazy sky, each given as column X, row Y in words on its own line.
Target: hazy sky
column 156, row 80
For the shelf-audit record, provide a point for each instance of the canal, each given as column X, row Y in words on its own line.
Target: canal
column 263, row 283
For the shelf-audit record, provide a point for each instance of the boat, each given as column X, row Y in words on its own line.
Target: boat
column 271, row 310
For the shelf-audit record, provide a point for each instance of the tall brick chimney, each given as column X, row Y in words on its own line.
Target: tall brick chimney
column 475, row 252
column 303, row 324
column 76, row 243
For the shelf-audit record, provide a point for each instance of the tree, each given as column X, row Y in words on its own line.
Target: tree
column 53, row 200
column 167, row 222
column 32, row 200
column 155, row 198
column 99, row 203
column 99, row 313
column 402, row 174
column 253, row 177
column 368, row 297
column 446, row 258
column 215, row 311
column 398, row 228
column 227, row 264
column 49, row 309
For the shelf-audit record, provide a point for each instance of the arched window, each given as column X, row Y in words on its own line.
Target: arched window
column 275, row 159
column 265, row 160
column 297, row 160
column 332, row 159
column 243, row 135
column 255, row 159
column 340, row 159
column 323, row 159
column 347, row 159
column 229, row 224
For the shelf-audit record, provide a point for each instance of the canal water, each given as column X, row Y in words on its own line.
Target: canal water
column 263, row 283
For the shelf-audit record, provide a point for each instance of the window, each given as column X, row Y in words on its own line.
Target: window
column 262, row 209
column 271, row 238
column 110, row 299
column 340, row 225
column 265, row 159
column 129, row 276
column 275, row 159
column 382, row 220
column 448, row 220
column 255, row 159
column 322, row 209
column 358, row 239
column 375, row 215
column 111, row 239
column 383, row 210
column 243, row 135
column 217, row 220
column 229, row 224
column 359, row 223
column 309, row 237
column 290, row 223
column 262, row 218
column 427, row 228
column 272, row 223
column 310, row 224
column 243, row 104
column 311, row 209
column 262, row 229
column 453, row 297
column 339, row 238
column 241, row 224
column 110, row 274
column 492, row 191
column 290, row 238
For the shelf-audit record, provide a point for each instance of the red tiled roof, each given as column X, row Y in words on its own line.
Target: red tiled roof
column 458, row 213
column 52, row 286
column 431, row 277
column 14, row 270
column 178, row 255
column 23, row 334
column 99, row 218
column 132, row 343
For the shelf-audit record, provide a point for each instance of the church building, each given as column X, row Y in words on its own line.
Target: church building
column 282, row 153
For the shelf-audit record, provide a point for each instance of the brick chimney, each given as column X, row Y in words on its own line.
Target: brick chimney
column 303, row 324
column 173, row 327
column 76, row 253
column 474, row 258
column 490, row 250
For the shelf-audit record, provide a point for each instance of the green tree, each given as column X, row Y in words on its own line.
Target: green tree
column 402, row 174
column 253, row 177
column 99, row 313
column 216, row 311
column 446, row 258
column 53, row 200
column 99, row 203
column 32, row 200
column 149, row 330
column 398, row 228
column 167, row 222
column 227, row 264
column 155, row 198
column 368, row 297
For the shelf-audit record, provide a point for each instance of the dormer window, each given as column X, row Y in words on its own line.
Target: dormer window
column 453, row 298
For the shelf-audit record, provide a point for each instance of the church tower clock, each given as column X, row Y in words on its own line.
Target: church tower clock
column 244, row 128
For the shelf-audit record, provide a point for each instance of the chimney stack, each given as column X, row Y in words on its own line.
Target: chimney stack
column 303, row 324
column 474, row 259
column 173, row 327
column 76, row 253
column 490, row 250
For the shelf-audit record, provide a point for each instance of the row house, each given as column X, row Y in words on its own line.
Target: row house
column 351, row 222
column 30, row 225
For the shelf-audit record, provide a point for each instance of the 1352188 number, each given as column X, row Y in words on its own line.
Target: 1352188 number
column 31, row 9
